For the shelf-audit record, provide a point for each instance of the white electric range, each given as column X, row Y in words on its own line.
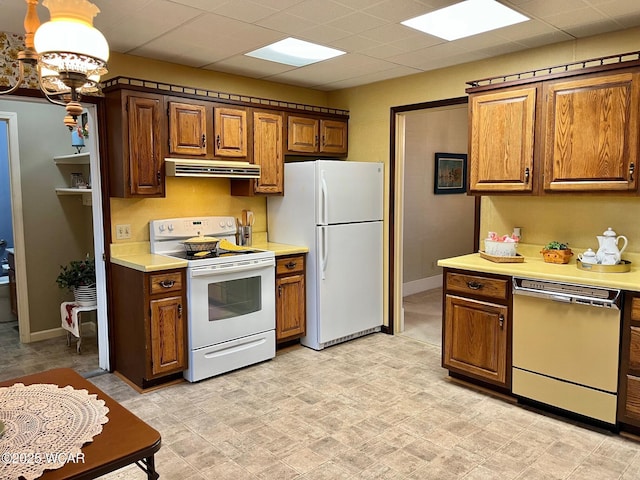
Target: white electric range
column 230, row 296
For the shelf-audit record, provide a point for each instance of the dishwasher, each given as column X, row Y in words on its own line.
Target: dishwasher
column 566, row 341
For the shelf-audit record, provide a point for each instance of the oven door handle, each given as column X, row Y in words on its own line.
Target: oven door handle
column 216, row 270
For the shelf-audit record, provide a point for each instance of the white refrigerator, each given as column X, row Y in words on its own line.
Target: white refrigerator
column 335, row 208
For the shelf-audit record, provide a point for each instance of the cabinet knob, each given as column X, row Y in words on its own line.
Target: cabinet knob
column 316, row 141
column 632, row 169
column 527, row 173
column 474, row 285
column 501, row 321
column 167, row 283
column 204, row 141
column 279, row 290
column 218, row 141
column 180, row 311
column 291, row 265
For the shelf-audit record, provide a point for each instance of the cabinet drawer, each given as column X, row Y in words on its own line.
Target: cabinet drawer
column 288, row 265
column 633, row 397
column 165, row 282
column 478, row 285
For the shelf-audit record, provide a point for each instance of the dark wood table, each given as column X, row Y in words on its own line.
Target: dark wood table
column 125, row 438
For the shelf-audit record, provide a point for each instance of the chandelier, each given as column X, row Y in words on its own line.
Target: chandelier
column 68, row 53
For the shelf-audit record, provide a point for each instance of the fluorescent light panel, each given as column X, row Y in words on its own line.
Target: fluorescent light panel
column 465, row 19
column 297, row 53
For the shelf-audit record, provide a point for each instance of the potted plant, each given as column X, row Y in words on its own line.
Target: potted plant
column 79, row 276
column 556, row 252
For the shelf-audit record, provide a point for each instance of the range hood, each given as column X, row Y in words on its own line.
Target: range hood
column 183, row 167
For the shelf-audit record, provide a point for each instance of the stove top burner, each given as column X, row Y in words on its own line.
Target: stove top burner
column 209, row 254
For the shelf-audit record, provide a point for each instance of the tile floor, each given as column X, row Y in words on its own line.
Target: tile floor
column 423, row 316
column 379, row 407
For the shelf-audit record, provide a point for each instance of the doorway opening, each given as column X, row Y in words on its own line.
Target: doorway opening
column 35, row 136
column 425, row 226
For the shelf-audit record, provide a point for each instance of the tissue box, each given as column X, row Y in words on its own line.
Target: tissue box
column 500, row 249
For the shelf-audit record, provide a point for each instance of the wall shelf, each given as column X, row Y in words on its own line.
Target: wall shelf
column 72, row 191
column 73, row 159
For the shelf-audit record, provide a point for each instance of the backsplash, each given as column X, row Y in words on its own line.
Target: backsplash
column 573, row 219
column 185, row 197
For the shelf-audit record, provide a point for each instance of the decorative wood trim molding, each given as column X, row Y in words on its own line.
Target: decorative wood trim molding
column 136, row 83
column 610, row 62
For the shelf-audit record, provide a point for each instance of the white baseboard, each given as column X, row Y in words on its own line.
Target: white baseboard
column 46, row 334
column 417, row 286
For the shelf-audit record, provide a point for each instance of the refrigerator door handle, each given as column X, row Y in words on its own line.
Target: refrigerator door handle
column 324, row 250
column 325, row 198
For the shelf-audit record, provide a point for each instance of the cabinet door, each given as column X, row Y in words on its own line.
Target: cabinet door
column 302, row 134
column 230, row 131
column 167, row 335
column 591, row 133
column 187, row 129
column 144, row 118
column 290, row 307
column 267, row 152
column 501, row 140
column 475, row 338
column 333, row 136
column 629, row 381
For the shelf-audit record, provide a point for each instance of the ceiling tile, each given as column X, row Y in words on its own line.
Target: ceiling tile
column 286, row 23
column 146, row 24
column 319, row 11
column 322, row 34
column 355, row 43
column 245, row 10
column 398, row 10
column 248, row 66
column 393, row 72
column 357, row 22
column 211, row 45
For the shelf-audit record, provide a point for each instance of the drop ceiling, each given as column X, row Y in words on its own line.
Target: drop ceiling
column 215, row 34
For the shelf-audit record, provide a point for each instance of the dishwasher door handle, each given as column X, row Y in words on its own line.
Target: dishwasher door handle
column 560, row 298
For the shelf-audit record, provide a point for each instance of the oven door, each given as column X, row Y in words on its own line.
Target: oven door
column 230, row 301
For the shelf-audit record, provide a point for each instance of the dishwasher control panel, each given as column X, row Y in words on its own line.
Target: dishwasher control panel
column 568, row 292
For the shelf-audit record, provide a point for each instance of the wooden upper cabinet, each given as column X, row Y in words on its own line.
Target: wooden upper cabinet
column 187, row 129
column 316, row 135
column 145, row 149
column 591, row 133
column 333, row 136
column 302, row 134
column 135, row 143
column 267, row 152
column 230, row 132
column 501, row 140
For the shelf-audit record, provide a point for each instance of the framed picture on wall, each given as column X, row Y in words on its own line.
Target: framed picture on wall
column 451, row 173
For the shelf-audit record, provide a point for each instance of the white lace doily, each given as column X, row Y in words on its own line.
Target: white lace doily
column 46, row 427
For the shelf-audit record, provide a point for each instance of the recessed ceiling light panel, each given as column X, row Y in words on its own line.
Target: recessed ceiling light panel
column 465, row 19
column 297, row 53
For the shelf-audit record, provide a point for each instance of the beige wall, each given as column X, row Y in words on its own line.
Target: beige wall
column 435, row 226
column 56, row 229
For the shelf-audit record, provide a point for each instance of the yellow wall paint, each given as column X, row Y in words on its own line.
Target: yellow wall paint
column 185, row 197
column 573, row 219
column 155, row 70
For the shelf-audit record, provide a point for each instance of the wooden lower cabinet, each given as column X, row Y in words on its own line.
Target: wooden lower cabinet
column 477, row 327
column 629, row 382
column 150, row 324
column 291, row 317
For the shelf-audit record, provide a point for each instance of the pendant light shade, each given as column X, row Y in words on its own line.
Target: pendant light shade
column 69, row 42
column 69, row 53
